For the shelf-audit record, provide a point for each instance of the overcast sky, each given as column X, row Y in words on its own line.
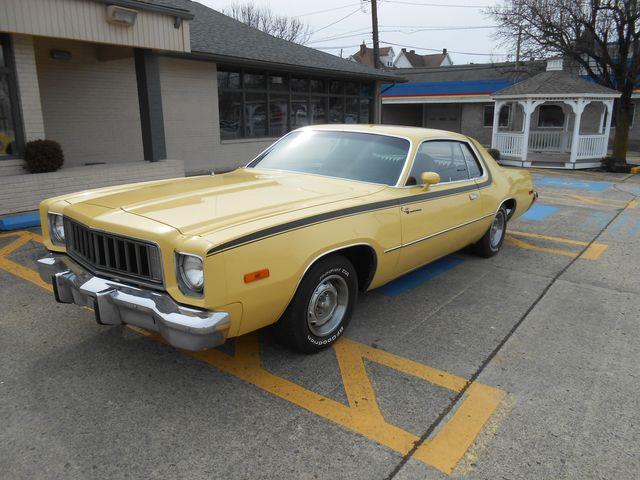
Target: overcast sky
column 408, row 16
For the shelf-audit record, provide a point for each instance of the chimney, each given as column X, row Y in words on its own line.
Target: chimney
column 444, row 51
column 404, row 50
column 412, row 51
column 554, row 64
column 363, row 48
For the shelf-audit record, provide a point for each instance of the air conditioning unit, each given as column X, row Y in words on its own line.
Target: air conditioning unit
column 121, row 16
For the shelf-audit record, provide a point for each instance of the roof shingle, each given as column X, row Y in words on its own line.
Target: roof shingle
column 555, row 82
column 226, row 39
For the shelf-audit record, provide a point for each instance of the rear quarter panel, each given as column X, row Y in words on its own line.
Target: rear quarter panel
column 508, row 183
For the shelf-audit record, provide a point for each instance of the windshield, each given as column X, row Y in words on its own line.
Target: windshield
column 351, row 155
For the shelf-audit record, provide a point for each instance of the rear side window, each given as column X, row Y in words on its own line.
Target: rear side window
column 472, row 162
column 452, row 160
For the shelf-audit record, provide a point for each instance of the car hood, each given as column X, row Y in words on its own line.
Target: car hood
column 200, row 205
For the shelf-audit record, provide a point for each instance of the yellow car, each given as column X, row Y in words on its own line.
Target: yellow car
column 292, row 239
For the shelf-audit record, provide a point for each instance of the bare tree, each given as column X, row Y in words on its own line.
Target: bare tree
column 263, row 18
column 601, row 36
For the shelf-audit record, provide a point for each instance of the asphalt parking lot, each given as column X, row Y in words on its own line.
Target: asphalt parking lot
column 521, row 366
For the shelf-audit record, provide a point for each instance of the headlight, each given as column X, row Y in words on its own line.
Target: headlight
column 190, row 272
column 56, row 228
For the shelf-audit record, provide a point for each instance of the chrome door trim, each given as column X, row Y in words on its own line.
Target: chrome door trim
column 437, row 233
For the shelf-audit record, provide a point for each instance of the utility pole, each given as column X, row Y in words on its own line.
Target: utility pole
column 374, row 24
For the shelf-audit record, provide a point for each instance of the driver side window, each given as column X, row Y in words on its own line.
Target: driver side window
column 445, row 157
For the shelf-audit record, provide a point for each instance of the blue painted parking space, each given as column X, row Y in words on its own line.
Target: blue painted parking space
column 419, row 276
column 539, row 212
column 20, row 221
column 563, row 182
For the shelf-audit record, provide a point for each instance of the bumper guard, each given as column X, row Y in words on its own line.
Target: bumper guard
column 116, row 303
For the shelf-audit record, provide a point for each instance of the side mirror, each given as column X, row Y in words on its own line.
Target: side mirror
column 429, row 178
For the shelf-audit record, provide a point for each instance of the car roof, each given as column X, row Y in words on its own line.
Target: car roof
column 415, row 134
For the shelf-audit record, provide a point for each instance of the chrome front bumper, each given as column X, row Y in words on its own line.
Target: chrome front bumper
column 116, row 303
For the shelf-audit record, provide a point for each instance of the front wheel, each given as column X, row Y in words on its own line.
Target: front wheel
column 322, row 306
column 492, row 240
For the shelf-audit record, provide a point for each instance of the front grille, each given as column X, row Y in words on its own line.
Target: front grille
column 112, row 254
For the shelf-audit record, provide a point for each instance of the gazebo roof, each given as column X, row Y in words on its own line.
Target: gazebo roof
column 556, row 83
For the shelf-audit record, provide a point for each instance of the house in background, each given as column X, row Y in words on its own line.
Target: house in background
column 364, row 56
column 460, row 98
column 411, row 59
column 140, row 90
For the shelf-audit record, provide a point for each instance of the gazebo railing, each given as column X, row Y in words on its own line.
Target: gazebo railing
column 548, row 141
column 509, row 143
column 589, row 146
column 592, row 146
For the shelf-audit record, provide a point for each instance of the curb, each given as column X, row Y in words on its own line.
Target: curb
column 18, row 222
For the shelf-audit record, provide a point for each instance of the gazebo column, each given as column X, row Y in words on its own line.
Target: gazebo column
column 607, row 129
column 528, row 106
column 496, row 119
column 578, row 107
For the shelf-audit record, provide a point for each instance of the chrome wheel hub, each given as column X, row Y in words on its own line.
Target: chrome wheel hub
column 497, row 230
column 328, row 305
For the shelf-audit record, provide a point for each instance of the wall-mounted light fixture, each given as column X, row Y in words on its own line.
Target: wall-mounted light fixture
column 63, row 55
column 121, row 15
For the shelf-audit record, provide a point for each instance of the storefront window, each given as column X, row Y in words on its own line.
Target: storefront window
column 351, row 110
column 336, row 109
column 299, row 112
column 300, row 85
column 318, row 111
column 10, row 141
column 255, row 114
column 279, row 115
column 257, row 104
column 230, row 115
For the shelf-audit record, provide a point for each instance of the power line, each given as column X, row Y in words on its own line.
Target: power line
column 337, row 21
column 330, row 47
column 327, row 10
column 450, row 51
column 364, row 31
column 421, row 4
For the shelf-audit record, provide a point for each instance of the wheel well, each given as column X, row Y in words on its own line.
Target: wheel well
column 510, row 206
column 364, row 260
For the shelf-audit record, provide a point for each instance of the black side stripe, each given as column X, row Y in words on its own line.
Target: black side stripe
column 345, row 212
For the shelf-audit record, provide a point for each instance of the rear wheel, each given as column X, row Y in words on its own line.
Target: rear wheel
column 321, row 307
column 492, row 240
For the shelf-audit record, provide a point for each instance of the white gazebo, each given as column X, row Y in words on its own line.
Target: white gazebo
column 554, row 120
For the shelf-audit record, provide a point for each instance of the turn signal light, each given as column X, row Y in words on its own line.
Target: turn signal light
column 259, row 275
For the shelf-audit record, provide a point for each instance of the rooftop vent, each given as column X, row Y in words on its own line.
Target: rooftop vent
column 554, row 64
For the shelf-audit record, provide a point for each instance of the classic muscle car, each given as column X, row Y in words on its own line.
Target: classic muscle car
column 292, row 239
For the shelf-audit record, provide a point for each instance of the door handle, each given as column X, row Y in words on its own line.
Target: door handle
column 473, row 196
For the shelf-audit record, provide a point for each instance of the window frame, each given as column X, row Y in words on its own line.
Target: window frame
column 473, row 151
column 9, row 70
column 298, row 96
column 564, row 118
column 488, row 105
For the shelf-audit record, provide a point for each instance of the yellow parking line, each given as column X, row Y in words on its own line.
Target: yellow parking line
column 593, row 251
column 15, row 268
column 362, row 414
